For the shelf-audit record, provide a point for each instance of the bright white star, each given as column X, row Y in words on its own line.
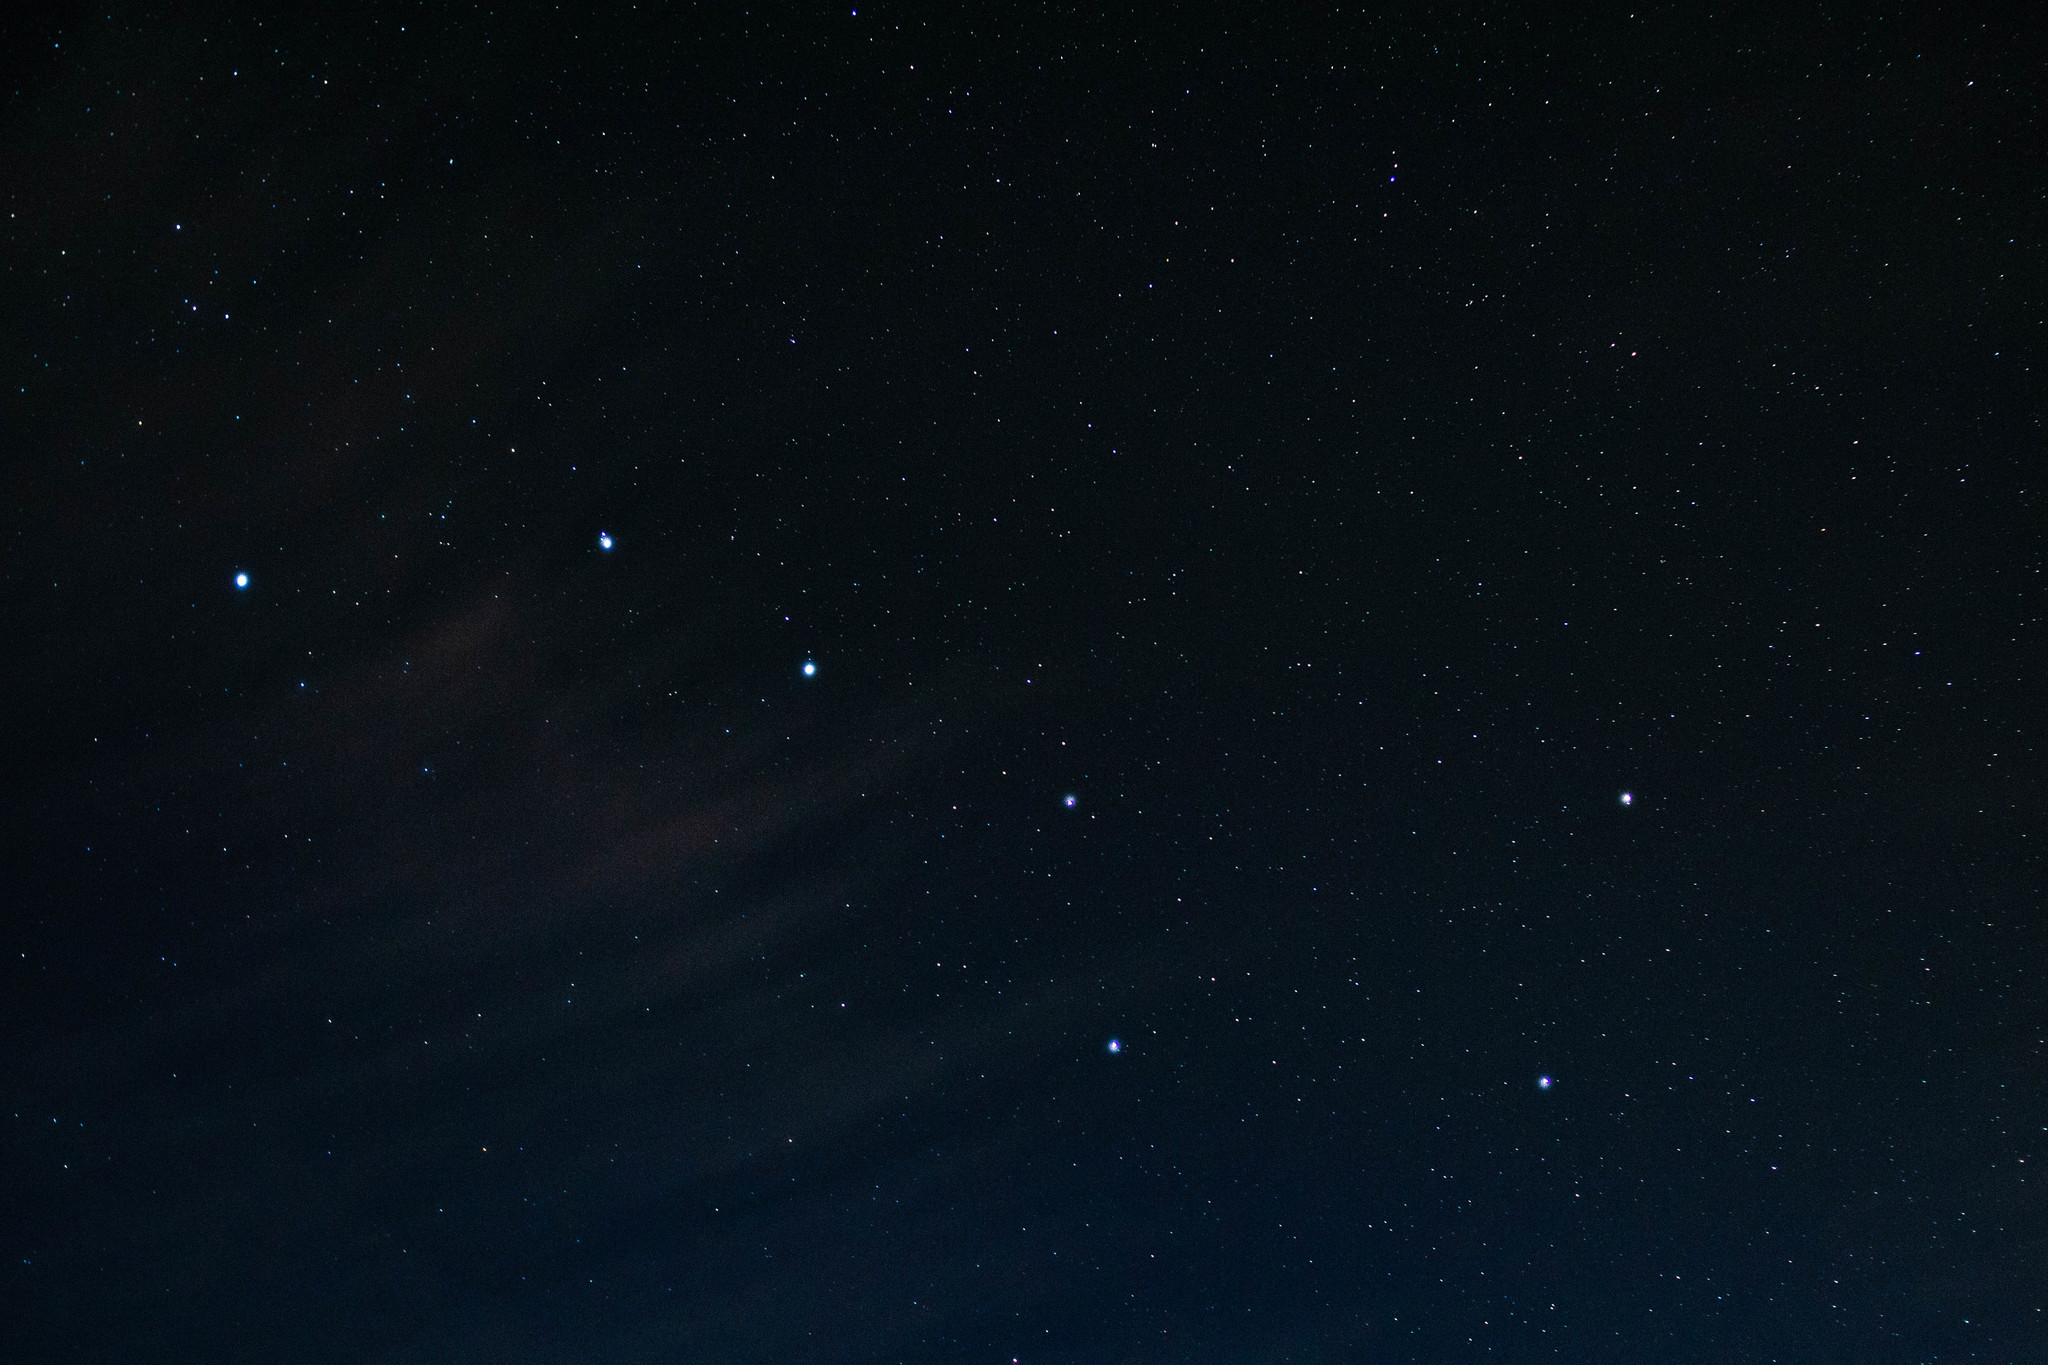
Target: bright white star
column 810, row 669
column 604, row 540
column 1628, row 799
column 1071, row 801
column 241, row 580
column 1115, row 1046
column 1543, row 1082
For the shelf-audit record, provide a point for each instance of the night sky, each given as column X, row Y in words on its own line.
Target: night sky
column 906, row 684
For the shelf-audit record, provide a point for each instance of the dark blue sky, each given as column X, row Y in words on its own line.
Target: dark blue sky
column 1345, row 456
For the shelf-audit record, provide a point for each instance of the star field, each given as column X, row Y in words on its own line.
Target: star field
column 874, row 684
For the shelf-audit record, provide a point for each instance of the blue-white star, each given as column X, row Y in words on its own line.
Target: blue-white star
column 1628, row 798
column 241, row 581
column 1115, row 1046
column 604, row 540
column 1070, row 801
column 1544, row 1082
column 810, row 669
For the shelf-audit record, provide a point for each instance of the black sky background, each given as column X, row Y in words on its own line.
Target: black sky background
column 1344, row 452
